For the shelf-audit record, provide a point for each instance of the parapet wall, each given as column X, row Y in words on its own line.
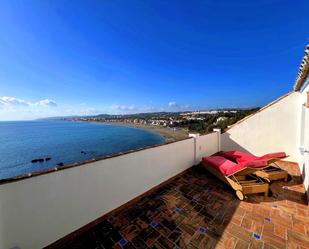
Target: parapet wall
column 37, row 211
column 273, row 128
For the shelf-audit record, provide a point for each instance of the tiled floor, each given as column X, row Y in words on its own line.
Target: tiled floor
column 196, row 211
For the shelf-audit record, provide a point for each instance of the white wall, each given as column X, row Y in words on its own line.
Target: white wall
column 207, row 145
column 273, row 129
column 303, row 157
column 38, row 211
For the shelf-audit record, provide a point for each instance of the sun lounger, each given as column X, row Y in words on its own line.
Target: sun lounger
column 238, row 175
column 271, row 173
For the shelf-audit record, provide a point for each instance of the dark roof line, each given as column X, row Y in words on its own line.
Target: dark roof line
column 303, row 71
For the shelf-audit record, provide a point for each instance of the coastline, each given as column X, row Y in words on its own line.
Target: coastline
column 169, row 134
column 34, row 162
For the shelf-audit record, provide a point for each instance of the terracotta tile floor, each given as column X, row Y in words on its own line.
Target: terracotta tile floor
column 196, row 211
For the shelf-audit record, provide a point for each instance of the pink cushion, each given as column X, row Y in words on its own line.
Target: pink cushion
column 274, row 155
column 238, row 156
column 241, row 157
column 226, row 166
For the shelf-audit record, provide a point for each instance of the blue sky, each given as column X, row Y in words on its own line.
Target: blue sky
column 88, row 57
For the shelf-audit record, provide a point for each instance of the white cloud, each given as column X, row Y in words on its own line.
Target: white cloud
column 84, row 111
column 13, row 101
column 130, row 109
column 172, row 104
column 123, row 108
column 175, row 106
column 12, row 108
column 46, row 102
column 149, row 109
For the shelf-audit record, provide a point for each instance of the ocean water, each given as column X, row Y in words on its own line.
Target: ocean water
column 64, row 142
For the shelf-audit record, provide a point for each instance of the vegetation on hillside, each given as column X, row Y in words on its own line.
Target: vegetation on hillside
column 220, row 120
column 201, row 122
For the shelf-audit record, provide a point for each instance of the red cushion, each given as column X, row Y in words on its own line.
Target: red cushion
column 226, row 166
column 241, row 157
column 238, row 156
column 273, row 155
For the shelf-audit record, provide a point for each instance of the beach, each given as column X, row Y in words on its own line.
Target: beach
column 169, row 134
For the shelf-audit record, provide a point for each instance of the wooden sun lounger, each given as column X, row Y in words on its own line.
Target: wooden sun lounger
column 273, row 171
column 270, row 173
column 244, row 182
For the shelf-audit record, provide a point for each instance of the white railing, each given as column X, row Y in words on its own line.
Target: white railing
column 37, row 211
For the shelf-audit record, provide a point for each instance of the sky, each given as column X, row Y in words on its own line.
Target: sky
column 60, row 58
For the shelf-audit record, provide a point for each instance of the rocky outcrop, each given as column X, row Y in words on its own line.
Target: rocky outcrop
column 37, row 160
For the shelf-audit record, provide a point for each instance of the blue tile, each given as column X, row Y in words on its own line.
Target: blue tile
column 267, row 219
column 137, row 206
column 256, row 236
column 220, row 215
column 153, row 224
column 122, row 242
column 177, row 210
column 285, row 187
column 202, row 229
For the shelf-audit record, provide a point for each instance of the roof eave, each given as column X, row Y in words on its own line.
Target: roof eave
column 303, row 71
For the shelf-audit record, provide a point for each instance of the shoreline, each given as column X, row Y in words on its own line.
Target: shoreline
column 169, row 134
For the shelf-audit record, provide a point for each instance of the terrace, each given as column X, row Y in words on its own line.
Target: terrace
column 154, row 198
column 194, row 210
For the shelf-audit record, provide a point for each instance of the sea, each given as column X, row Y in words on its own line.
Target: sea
column 63, row 142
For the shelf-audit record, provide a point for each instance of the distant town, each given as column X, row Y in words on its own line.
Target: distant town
column 196, row 121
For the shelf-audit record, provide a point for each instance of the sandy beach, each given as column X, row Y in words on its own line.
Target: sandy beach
column 169, row 134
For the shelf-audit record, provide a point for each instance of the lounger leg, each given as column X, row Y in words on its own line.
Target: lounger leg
column 266, row 193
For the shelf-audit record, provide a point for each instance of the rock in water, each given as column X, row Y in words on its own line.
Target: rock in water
column 37, row 160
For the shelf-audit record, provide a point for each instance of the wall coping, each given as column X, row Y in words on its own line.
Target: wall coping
column 84, row 162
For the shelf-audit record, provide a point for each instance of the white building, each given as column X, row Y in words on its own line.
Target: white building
column 221, row 119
